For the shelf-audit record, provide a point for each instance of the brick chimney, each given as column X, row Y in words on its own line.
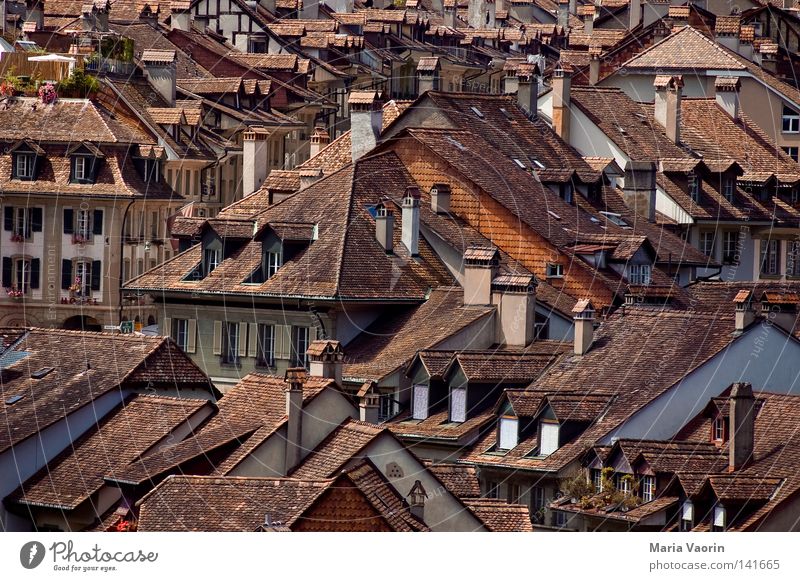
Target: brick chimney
column 428, row 71
column 416, row 501
column 368, row 408
column 295, row 378
column 727, row 95
column 325, row 356
column 639, row 188
column 583, row 315
column 384, row 227
column 319, row 140
column 410, row 234
column 742, row 426
column 255, row 159
column 561, row 103
column 180, row 17
column 366, row 121
column 744, row 310
column 159, row 70
column 515, row 298
column 440, row 199
column 668, row 91
column 480, row 266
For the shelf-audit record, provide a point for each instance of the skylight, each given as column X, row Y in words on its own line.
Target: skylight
column 13, row 399
column 536, row 162
column 477, row 112
column 43, row 372
column 505, row 112
column 554, row 215
column 458, row 144
column 519, row 163
column 615, row 219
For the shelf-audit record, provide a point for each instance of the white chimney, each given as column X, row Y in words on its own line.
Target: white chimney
column 583, row 315
column 727, row 95
column 369, row 408
column 428, row 71
column 255, row 159
column 744, row 310
column 319, row 140
column 639, row 188
column 159, row 70
column 587, row 12
column 480, row 266
column 384, row 227
column 528, row 92
column 450, row 13
column 366, row 121
column 440, row 199
column 634, row 14
column 741, row 426
column 180, row 17
column 563, row 13
column 668, row 91
column 410, row 234
column 515, row 298
column 325, row 356
column 594, row 64
column 295, row 378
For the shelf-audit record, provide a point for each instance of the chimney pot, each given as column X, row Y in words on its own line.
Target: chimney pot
column 410, row 233
column 727, row 95
column 742, row 425
column 295, row 378
column 384, row 227
column 583, row 316
column 440, row 198
column 515, row 298
column 744, row 310
column 561, row 103
column 668, row 94
column 319, row 140
column 369, row 408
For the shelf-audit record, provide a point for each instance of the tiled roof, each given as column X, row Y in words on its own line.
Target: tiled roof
column 500, row 516
column 113, row 360
column 273, row 62
column 153, row 55
column 685, row 49
column 211, row 86
column 77, row 473
column 342, row 445
column 497, row 366
column 461, row 480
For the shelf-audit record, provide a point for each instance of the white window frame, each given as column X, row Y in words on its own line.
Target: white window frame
column 265, row 356
column 83, row 224
column 770, row 257
column 718, row 429
column 648, row 488
column 230, row 343
column 639, row 274
column 730, row 244
column 458, row 404
column 729, row 188
column 687, row 515
column 23, row 165
column 790, row 121
column 623, row 484
column 301, row 339
column 274, row 262
column 80, row 168
column 22, row 280
column 548, row 431
column 212, row 259
column 597, row 480
column 83, row 269
column 420, row 401
column 182, row 333
column 508, row 433
column 705, row 248
column 555, row 270
column 22, row 226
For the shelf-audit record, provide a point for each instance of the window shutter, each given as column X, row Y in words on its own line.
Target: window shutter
column 420, row 402
column 191, row 340
column 7, row 265
column 97, row 223
column 97, row 271
column 36, row 219
column 687, row 510
column 217, row 348
column 283, row 341
column 166, row 331
column 458, row 405
column 252, row 341
column 508, row 433
column 548, row 438
column 8, row 218
column 69, row 219
column 719, row 516
column 35, row 262
column 312, row 334
column 242, row 339
column 66, row 274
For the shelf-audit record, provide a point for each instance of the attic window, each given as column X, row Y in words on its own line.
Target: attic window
column 519, row 163
column 718, row 429
column 548, row 438
column 615, row 219
column 554, row 215
column 506, row 113
column 420, row 411
column 693, row 186
column 458, row 144
column 477, row 112
column 13, row 399
column 639, row 274
column 536, row 162
column 555, row 270
column 23, row 166
column 508, row 433
column 43, row 372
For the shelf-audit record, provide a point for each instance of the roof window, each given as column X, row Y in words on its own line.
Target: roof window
column 477, row 112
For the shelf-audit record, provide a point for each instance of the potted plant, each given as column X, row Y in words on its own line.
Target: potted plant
column 79, row 239
column 7, row 88
column 47, row 93
column 16, row 237
column 14, row 293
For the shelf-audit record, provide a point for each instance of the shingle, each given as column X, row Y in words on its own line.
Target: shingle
column 157, row 56
column 685, row 49
column 500, row 516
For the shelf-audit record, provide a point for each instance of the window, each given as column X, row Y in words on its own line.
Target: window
column 151, row 169
column 508, row 433
column 624, row 483
column 720, row 516
column 211, row 259
column 729, row 188
column 84, row 224
column 420, row 411
column 561, row 519
column 548, row 438
column 266, row 346
column 597, row 479
column 718, row 429
column 23, row 166
column 730, row 246
column 537, row 497
column 707, row 243
column 492, row 489
column 687, row 515
column 387, row 407
column 300, row 346
column 458, row 404
column 648, row 488
column 793, row 259
column 555, row 270
column 769, row 257
column 80, row 168
column 513, row 494
column 566, row 192
column 22, row 275
column 230, row 344
column 22, row 227
column 181, row 333
column 83, row 278
column 694, row 186
column 791, row 152
column 639, row 274
column 274, row 262
column 790, row 120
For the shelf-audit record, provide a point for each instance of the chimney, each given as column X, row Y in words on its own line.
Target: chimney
column 481, row 13
column 511, row 82
column 180, row 17
column 309, row 175
column 573, row 6
column 563, row 14
column 634, row 14
column 583, row 316
column 34, row 12
column 480, row 265
column 450, row 14
column 368, row 408
column 255, row 155
column 747, row 33
column 440, row 199
column 742, row 426
column 515, row 297
column 319, row 140
column 410, row 234
column 561, row 103
column 416, row 501
column 295, row 378
column 639, row 188
column 428, row 69
column 744, row 310
column 384, row 227
column 326, row 357
column 780, row 309
column 528, row 92
column 159, row 69
column 668, row 105
column 94, row 16
column 727, row 95
column 366, row 121
column 594, row 64
column 726, row 32
column 587, row 12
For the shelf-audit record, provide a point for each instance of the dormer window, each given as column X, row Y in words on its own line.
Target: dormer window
column 694, row 186
column 548, row 437
column 23, row 166
column 718, row 430
column 211, row 259
column 720, row 518
column 648, row 488
column 687, row 516
column 274, row 260
column 624, row 483
column 508, row 433
column 566, row 191
column 84, row 163
column 420, row 411
column 597, row 480
column 729, row 188
column 151, row 170
column 639, row 274
column 458, row 404
column 555, row 270
column 25, row 156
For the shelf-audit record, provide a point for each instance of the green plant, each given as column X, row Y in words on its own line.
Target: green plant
column 577, row 487
column 78, row 84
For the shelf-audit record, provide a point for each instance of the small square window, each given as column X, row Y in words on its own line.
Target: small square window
column 23, row 165
column 555, row 270
column 790, row 122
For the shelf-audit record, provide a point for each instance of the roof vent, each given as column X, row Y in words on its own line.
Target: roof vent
column 13, row 399
column 43, row 372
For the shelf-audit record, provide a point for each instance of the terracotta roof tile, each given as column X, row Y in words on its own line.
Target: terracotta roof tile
column 500, row 516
